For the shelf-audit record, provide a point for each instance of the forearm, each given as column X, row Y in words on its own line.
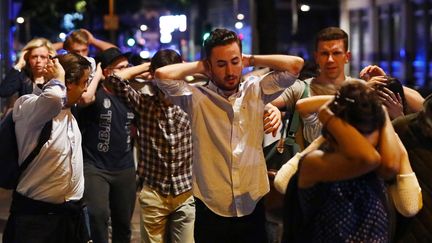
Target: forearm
column 312, row 104
column 57, row 46
column 180, row 70
column 101, row 45
column 131, row 72
column 292, row 64
column 389, row 150
column 413, row 99
column 350, row 142
column 88, row 97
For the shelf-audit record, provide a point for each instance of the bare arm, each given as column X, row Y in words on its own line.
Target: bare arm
column 354, row 155
column 389, row 150
column 88, row 97
column 414, row 100
column 99, row 44
column 312, row 104
column 58, row 46
column 131, row 72
column 292, row 64
column 180, row 70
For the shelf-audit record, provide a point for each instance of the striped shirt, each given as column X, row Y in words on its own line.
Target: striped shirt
column 164, row 141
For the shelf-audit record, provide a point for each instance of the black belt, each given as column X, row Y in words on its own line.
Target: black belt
column 25, row 205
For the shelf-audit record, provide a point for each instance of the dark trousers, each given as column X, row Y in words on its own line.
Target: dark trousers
column 41, row 222
column 210, row 227
column 110, row 194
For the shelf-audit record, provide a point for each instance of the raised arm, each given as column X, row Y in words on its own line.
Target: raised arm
column 133, row 71
column 414, row 100
column 354, row 155
column 312, row 104
column 88, row 96
column 180, row 70
column 389, row 150
column 406, row 191
column 292, row 64
column 99, row 44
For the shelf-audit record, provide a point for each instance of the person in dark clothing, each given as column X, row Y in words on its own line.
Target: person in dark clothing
column 415, row 131
column 109, row 168
column 28, row 72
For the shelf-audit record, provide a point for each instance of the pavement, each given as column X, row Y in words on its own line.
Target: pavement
column 5, row 200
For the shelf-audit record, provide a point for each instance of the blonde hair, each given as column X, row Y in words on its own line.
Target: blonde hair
column 36, row 43
column 77, row 36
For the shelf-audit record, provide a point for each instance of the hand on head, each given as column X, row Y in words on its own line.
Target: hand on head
column 21, row 61
column 371, row 71
column 54, row 70
column 392, row 101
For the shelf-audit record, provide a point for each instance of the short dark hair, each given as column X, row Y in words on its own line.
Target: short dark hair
column 359, row 105
column 74, row 66
column 220, row 37
column 163, row 58
column 332, row 33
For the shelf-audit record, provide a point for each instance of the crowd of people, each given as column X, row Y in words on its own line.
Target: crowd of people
column 200, row 175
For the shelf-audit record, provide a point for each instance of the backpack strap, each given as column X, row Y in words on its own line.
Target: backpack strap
column 294, row 121
column 43, row 138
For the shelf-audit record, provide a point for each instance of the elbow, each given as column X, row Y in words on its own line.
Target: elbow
column 300, row 108
column 86, row 100
column 372, row 160
column 160, row 74
column 297, row 65
column 409, row 211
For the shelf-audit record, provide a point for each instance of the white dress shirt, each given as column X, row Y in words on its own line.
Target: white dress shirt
column 56, row 173
column 229, row 171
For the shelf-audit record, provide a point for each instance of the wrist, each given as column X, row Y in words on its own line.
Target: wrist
column 17, row 67
column 252, row 60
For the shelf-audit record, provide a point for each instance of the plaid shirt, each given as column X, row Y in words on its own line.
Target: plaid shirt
column 165, row 140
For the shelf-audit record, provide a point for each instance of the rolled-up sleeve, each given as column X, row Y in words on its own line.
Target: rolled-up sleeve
column 174, row 87
column 274, row 83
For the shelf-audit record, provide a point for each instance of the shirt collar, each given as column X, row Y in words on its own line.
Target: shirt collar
column 223, row 93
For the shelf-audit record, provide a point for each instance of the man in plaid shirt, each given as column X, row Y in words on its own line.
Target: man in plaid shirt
column 165, row 156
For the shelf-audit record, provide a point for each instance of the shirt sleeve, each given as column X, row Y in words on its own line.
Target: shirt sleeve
column 40, row 109
column 125, row 92
column 175, row 87
column 292, row 94
column 274, row 83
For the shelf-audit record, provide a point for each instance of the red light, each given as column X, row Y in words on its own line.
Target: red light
column 240, row 36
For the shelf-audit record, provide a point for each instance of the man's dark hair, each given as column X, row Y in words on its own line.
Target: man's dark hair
column 220, row 37
column 332, row 33
column 74, row 66
column 163, row 58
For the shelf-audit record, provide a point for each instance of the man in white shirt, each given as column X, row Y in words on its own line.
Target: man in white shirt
column 229, row 171
column 46, row 205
